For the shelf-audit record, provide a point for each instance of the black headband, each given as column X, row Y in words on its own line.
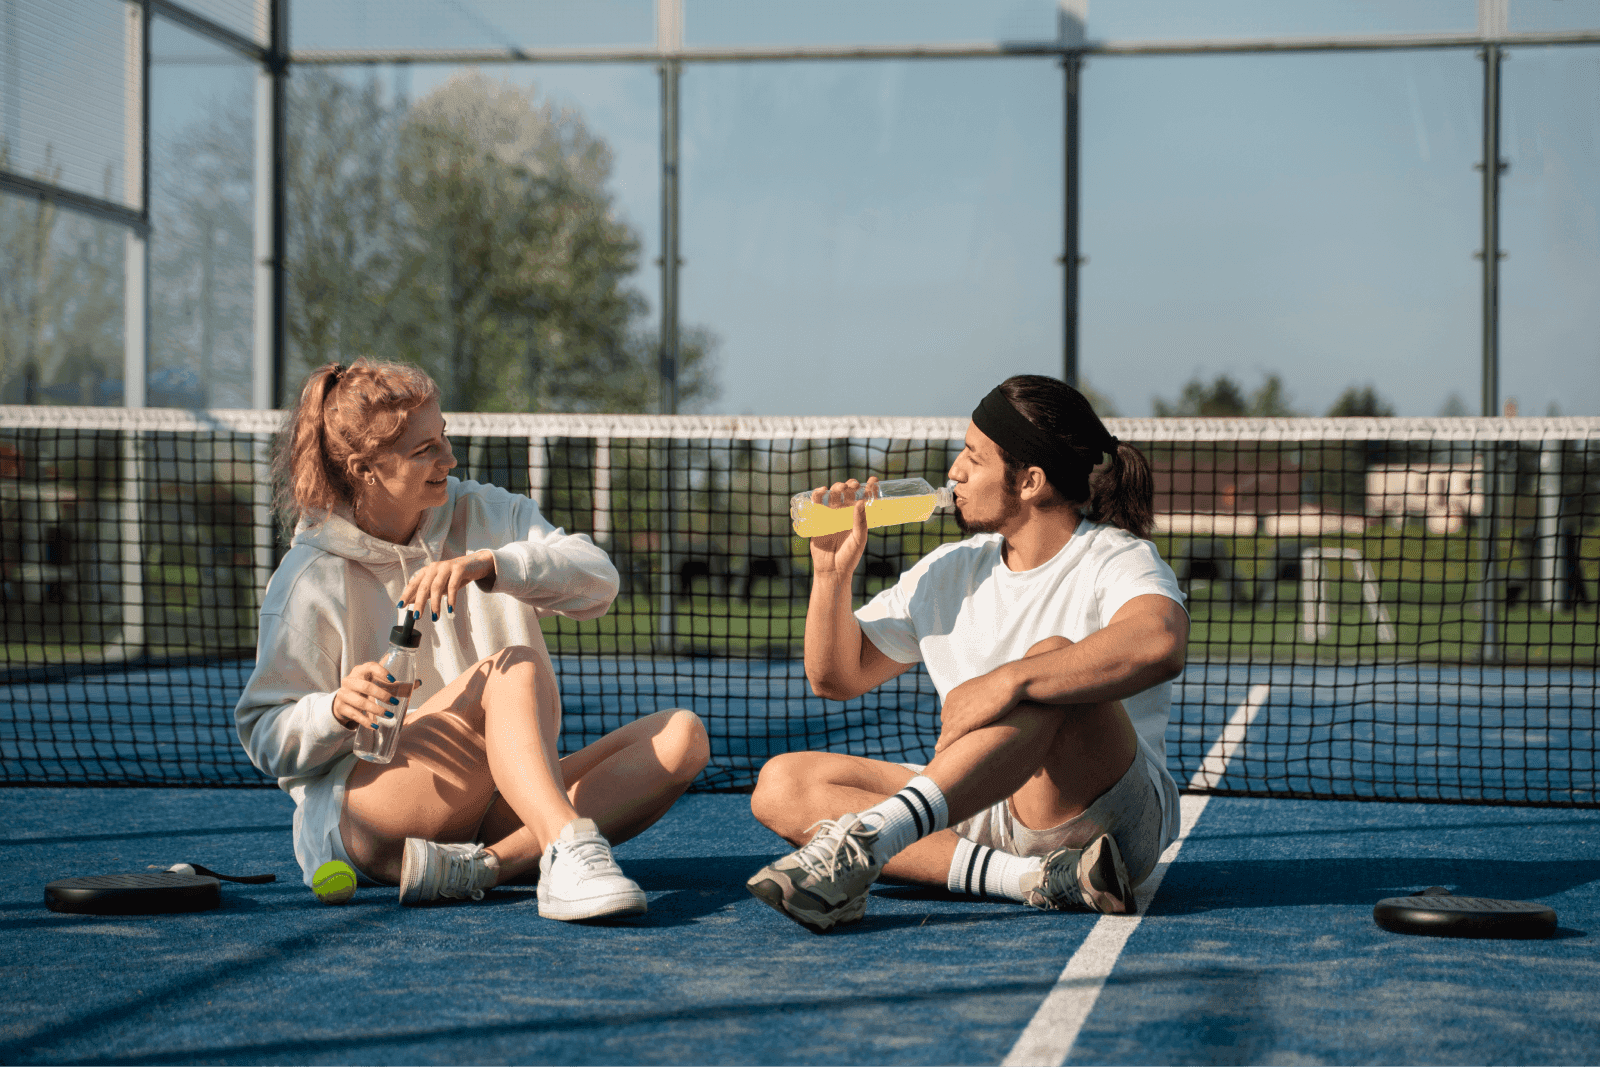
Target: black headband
column 1065, row 467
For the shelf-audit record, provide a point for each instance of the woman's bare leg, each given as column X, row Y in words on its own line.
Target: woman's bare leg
column 496, row 727
column 624, row 782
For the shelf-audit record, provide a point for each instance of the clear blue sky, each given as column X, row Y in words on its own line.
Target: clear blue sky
column 881, row 238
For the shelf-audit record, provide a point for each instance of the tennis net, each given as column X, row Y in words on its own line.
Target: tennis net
column 1381, row 608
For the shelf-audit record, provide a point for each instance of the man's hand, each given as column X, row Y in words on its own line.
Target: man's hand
column 974, row 704
column 839, row 554
column 983, row 700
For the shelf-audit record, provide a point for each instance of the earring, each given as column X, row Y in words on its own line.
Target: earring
column 371, row 480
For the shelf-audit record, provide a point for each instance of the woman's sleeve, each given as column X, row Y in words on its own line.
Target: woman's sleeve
column 285, row 714
column 554, row 571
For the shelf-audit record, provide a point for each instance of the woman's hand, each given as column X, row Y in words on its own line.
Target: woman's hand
column 368, row 694
column 436, row 584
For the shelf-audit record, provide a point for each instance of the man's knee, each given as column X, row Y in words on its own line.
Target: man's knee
column 778, row 789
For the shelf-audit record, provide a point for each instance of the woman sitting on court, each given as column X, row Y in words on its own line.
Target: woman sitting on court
column 476, row 793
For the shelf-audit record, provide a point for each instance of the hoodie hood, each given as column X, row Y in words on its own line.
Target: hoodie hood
column 338, row 535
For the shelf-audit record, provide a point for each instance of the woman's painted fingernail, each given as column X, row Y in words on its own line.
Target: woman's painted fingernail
column 450, row 608
column 400, row 604
column 388, row 715
column 390, row 677
column 394, row 700
column 436, row 616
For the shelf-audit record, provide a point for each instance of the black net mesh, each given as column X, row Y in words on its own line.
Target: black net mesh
column 1381, row 608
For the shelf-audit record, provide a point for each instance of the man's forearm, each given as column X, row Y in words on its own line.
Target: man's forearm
column 833, row 637
column 1110, row 664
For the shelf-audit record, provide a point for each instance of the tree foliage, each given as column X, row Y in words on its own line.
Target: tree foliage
column 1225, row 397
column 1361, row 400
column 472, row 234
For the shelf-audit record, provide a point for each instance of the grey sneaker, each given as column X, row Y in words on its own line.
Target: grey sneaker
column 429, row 870
column 825, row 883
column 579, row 879
column 1092, row 878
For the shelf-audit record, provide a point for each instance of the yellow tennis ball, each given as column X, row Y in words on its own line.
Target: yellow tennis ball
column 334, row 882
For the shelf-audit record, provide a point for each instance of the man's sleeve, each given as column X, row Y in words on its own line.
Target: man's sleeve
column 886, row 622
column 1133, row 571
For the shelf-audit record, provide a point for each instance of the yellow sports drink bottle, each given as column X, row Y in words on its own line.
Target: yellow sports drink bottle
column 897, row 501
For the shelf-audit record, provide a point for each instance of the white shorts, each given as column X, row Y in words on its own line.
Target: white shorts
column 1130, row 811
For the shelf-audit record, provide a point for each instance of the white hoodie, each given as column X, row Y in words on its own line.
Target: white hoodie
column 330, row 605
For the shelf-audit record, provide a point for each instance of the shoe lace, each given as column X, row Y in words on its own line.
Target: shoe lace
column 593, row 854
column 460, row 867
column 839, row 844
column 1060, row 882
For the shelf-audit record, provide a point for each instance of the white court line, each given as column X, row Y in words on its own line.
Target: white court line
column 1054, row 1028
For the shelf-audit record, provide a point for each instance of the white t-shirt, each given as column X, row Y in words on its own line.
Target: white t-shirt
column 961, row 611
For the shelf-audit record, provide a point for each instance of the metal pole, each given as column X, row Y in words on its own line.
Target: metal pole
column 669, row 44
column 1549, row 555
column 1071, row 260
column 1489, row 590
column 1492, row 166
column 136, row 328
column 671, row 72
column 278, row 66
column 1491, row 17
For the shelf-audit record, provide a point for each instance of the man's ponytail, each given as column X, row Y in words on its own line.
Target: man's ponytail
column 1122, row 493
column 1072, row 442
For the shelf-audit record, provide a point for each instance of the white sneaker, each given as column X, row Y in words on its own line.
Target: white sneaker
column 429, row 871
column 578, row 879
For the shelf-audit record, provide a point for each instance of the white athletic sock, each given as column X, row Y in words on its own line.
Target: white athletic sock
column 981, row 871
column 910, row 815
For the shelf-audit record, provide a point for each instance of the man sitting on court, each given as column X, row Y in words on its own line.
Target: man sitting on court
column 1051, row 636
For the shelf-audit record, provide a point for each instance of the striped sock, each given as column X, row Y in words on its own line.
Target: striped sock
column 910, row 815
column 981, row 871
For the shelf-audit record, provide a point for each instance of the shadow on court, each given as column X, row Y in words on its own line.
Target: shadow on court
column 1212, row 885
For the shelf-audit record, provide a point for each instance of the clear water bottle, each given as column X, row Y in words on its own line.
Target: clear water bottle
column 376, row 743
column 896, row 501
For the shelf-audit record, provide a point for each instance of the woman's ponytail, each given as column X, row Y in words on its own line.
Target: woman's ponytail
column 343, row 416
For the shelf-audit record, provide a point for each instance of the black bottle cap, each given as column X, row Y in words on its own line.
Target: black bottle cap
column 406, row 636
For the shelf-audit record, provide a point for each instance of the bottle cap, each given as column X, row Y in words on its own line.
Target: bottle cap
column 406, row 636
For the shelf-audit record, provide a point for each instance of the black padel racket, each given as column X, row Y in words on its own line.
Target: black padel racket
column 1439, row 913
column 189, row 887
column 142, row 893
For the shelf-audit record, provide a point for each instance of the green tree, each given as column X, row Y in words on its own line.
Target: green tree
column 1361, row 400
column 1224, row 397
column 472, row 234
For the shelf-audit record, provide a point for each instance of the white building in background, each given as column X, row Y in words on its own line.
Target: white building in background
column 1442, row 494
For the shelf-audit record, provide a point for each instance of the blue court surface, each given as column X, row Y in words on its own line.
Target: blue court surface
column 1258, row 946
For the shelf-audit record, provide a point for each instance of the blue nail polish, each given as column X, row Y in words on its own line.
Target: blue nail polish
column 436, row 616
column 394, row 700
column 390, row 677
column 400, row 604
column 450, row 608
column 388, row 715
